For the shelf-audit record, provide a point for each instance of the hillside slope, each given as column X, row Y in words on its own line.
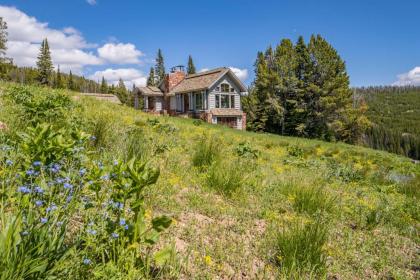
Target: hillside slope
column 247, row 205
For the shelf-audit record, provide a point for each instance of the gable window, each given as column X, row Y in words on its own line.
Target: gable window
column 225, row 101
column 224, row 87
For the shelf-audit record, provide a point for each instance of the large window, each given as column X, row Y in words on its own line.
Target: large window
column 225, row 101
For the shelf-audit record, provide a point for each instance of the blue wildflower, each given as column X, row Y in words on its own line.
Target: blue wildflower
column 92, row 138
column 82, row 172
column 24, row 233
column 30, row 172
column 91, row 231
column 68, row 186
column 39, row 203
column 105, row 177
column 36, row 163
column 122, row 222
column 44, row 220
column 115, row 235
column 38, row 189
column 69, row 198
column 87, row 261
column 115, row 162
column 51, row 208
column 55, row 168
column 59, row 224
column 126, row 227
column 24, row 189
column 9, row 162
column 59, row 180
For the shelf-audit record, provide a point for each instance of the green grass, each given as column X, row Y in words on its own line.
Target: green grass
column 238, row 200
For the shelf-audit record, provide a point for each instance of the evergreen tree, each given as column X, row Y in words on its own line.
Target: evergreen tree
column 151, row 79
column 70, row 82
column 44, row 63
column 3, row 38
column 104, row 86
column 190, row 67
column 160, row 67
column 58, row 79
column 121, row 92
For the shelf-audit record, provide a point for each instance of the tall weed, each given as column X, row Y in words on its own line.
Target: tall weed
column 206, row 151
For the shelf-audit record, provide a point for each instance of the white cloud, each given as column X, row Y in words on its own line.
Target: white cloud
column 411, row 78
column 242, row 74
column 130, row 76
column 120, row 53
column 203, row 70
column 91, row 2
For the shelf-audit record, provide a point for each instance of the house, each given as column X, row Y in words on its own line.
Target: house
column 213, row 96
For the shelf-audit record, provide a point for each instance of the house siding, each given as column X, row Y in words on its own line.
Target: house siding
column 212, row 101
column 158, row 104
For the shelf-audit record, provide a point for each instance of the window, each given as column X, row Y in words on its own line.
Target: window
column 232, row 101
column 217, row 100
column 224, row 101
column 232, row 89
column 225, row 87
column 199, row 101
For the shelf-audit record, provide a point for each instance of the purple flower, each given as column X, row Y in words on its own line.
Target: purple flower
column 115, row 235
column 126, row 227
column 82, row 172
column 69, row 198
column 105, row 177
column 122, row 222
column 38, row 189
column 9, row 162
column 91, row 231
column 87, row 261
column 24, row 189
column 44, row 220
column 115, row 162
column 59, row 180
column 36, row 163
column 51, row 208
column 68, row 186
column 30, row 172
column 39, row 203
column 55, row 168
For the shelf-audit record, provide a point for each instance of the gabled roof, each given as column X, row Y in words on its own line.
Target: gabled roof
column 205, row 80
column 150, row 91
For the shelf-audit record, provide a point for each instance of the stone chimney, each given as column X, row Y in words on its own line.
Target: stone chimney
column 172, row 79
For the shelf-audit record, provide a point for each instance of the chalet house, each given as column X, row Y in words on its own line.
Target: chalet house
column 213, row 96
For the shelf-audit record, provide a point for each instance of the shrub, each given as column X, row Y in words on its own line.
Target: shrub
column 295, row 151
column 300, row 248
column 206, row 151
column 245, row 150
column 309, row 199
column 225, row 177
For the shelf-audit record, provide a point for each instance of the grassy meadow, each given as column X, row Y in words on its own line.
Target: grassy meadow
column 93, row 190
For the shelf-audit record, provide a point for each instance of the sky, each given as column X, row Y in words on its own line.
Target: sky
column 378, row 39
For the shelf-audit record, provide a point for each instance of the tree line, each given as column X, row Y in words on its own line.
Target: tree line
column 303, row 90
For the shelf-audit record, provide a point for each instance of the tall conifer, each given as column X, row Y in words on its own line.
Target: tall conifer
column 44, row 63
column 160, row 67
column 151, row 80
column 191, row 66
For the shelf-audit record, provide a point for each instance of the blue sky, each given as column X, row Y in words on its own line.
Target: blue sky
column 378, row 39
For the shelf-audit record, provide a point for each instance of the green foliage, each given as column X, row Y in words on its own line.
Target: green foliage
column 300, row 248
column 151, row 80
column 159, row 68
column 303, row 90
column 206, row 152
column 244, row 149
column 104, row 86
column 191, row 66
column 44, row 64
column 295, row 151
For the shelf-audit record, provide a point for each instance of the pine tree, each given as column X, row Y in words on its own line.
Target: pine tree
column 58, row 80
column 121, row 92
column 151, row 79
column 104, row 86
column 44, row 63
column 160, row 67
column 190, row 67
column 70, row 82
column 3, row 38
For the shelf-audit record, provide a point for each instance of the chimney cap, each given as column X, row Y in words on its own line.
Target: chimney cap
column 178, row 68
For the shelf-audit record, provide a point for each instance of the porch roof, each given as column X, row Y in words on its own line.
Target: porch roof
column 150, row 91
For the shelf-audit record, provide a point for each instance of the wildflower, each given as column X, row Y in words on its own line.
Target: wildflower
column 51, row 208
column 118, row 205
column 115, row 235
column 36, row 163
column 44, row 220
column 91, row 231
column 68, row 186
column 24, row 189
column 55, row 168
column 9, row 162
column 126, row 227
column 30, row 172
column 115, row 162
column 90, row 182
column 59, row 180
column 59, row 224
column 122, row 222
column 105, row 177
column 39, row 203
column 69, row 198
column 92, row 138
column 208, row 260
column 87, row 261
column 24, row 233
column 39, row 190
column 82, row 172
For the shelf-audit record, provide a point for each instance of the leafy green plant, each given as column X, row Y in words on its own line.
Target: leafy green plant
column 225, row 177
column 299, row 248
column 244, row 149
column 295, row 151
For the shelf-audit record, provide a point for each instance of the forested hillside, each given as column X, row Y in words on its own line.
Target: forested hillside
column 395, row 114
